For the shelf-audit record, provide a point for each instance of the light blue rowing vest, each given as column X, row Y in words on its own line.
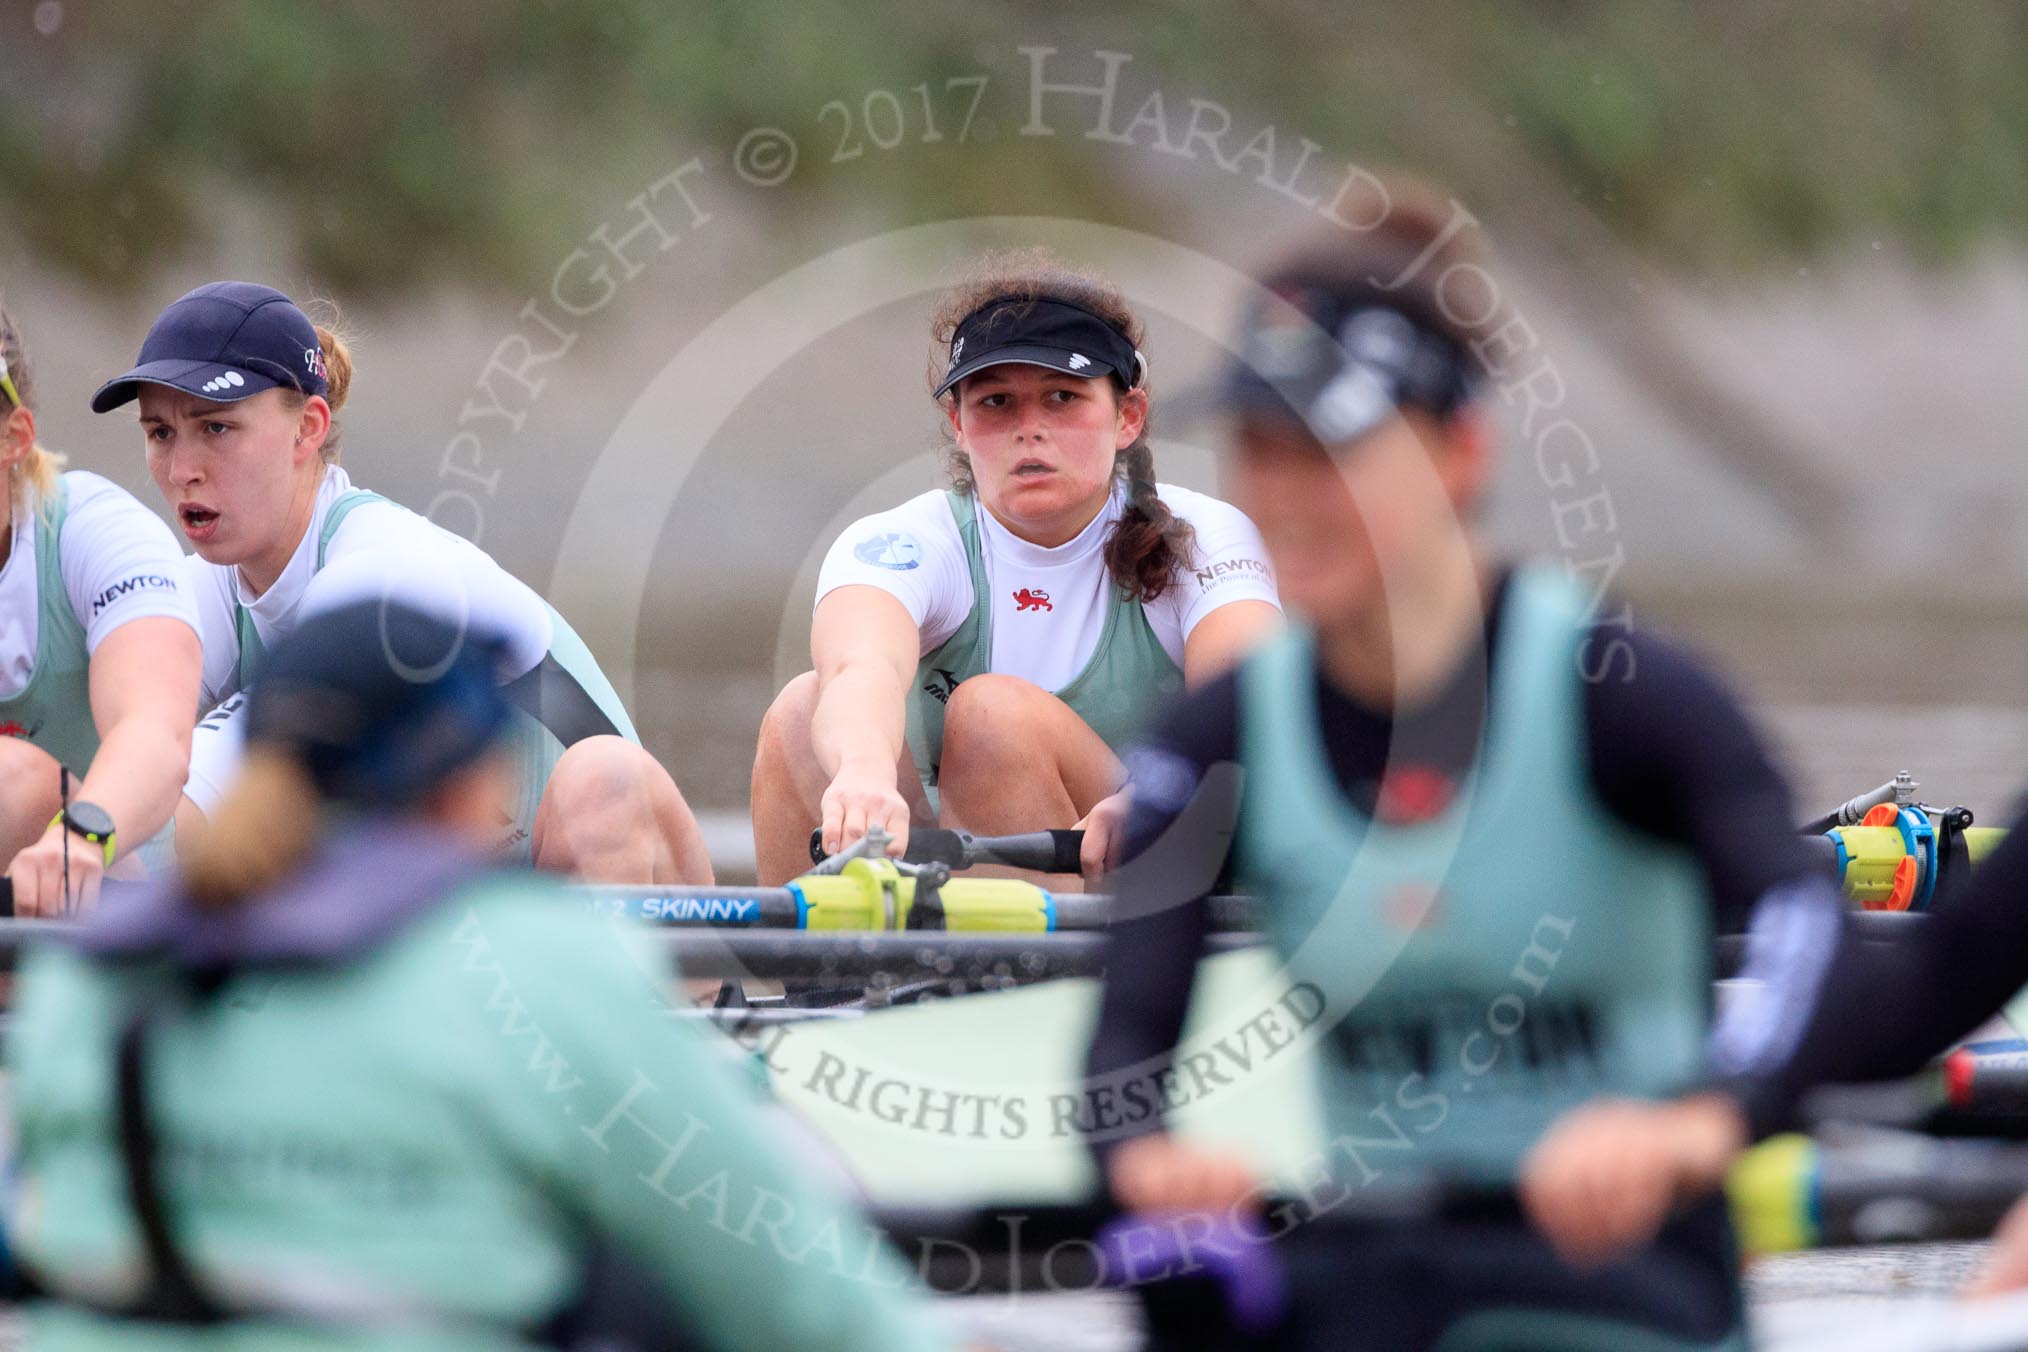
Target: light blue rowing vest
column 567, row 694
column 54, row 710
column 1130, row 673
column 1489, row 968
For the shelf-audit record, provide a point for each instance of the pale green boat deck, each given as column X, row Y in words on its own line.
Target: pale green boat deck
column 1014, row 1062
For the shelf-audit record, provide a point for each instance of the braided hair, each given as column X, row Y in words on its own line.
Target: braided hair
column 1149, row 544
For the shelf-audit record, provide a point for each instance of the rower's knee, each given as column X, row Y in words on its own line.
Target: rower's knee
column 611, row 813
column 784, row 745
column 30, row 794
column 992, row 722
column 600, row 778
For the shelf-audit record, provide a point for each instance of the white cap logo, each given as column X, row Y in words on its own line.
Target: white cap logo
column 1078, row 361
column 957, row 349
column 225, row 382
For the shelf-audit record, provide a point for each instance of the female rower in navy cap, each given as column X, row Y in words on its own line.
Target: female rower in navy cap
column 99, row 664
column 239, row 394
column 1492, row 828
column 990, row 647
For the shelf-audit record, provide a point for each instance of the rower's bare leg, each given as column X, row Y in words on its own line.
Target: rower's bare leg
column 29, row 795
column 1016, row 758
column 789, row 784
column 190, row 823
column 611, row 814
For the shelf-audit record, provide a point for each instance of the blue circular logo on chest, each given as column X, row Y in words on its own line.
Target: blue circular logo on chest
column 892, row 551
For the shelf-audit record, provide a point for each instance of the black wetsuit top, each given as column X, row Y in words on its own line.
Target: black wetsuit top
column 1669, row 753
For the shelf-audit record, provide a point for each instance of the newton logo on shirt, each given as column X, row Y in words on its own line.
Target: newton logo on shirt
column 140, row 582
column 893, row 551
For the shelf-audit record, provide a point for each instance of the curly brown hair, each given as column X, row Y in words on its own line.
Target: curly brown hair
column 1149, row 543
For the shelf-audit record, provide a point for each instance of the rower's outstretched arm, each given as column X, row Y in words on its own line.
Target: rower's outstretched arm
column 1673, row 755
column 144, row 680
column 865, row 646
column 1183, row 782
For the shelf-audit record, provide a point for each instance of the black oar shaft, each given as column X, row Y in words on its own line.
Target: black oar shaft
column 1873, row 926
column 1911, row 1189
column 1043, row 851
column 971, row 959
column 1061, row 1247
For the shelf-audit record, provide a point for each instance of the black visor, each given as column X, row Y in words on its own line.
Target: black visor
column 1048, row 333
column 1342, row 363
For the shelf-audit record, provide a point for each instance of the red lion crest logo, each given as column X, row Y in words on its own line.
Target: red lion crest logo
column 1032, row 600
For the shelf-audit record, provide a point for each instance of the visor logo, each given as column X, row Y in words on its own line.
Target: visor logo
column 1078, row 361
column 1350, row 406
column 225, row 382
column 957, row 350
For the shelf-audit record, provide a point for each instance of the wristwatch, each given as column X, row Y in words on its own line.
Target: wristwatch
column 92, row 822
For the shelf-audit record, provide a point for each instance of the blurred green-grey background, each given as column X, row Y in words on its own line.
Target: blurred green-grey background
column 1773, row 255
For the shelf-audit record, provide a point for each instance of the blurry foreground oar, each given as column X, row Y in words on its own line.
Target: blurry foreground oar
column 1793, row 1193
column 1986, row 1082
column 1877, row 1187
column 1087, row 1245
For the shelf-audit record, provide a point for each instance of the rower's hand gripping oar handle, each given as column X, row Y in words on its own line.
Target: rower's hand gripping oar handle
column 1043, row 851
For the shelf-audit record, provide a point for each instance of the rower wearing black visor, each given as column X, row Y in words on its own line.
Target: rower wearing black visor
column 1490, row 821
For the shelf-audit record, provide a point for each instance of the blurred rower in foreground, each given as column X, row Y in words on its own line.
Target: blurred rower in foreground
column 99, row 664
column 341, row 1085
column 1489, row 821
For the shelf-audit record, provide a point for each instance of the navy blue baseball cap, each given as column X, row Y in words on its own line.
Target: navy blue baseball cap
column 225, row 342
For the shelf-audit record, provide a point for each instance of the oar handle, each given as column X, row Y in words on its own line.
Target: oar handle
column 1043, row 851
